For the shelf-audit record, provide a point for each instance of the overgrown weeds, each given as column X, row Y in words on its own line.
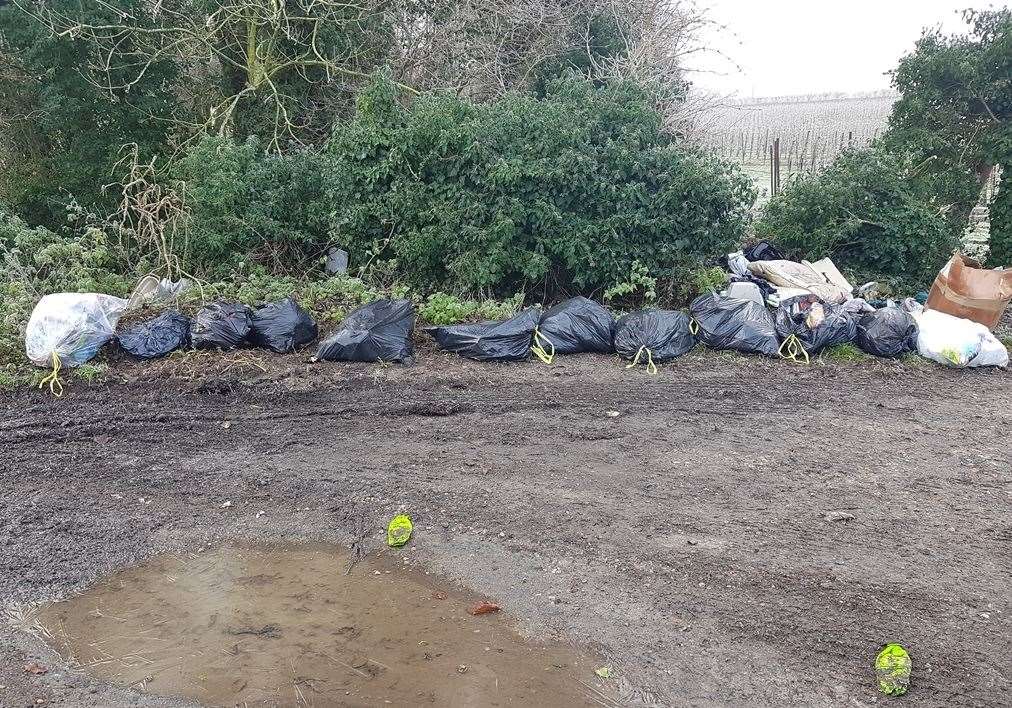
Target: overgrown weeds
column 845, row 354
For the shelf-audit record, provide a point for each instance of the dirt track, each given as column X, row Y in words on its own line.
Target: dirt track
column 684, row 540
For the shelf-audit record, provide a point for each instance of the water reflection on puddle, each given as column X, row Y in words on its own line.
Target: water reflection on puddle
column 289, row 627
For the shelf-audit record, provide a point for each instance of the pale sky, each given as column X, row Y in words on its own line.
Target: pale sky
column 787, row 47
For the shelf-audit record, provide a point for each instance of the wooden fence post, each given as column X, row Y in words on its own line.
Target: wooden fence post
column 776, row 166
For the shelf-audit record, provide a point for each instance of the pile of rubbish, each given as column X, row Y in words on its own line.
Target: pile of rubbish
column 772, row 306
column 814, row 307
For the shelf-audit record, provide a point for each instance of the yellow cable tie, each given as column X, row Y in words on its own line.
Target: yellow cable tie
column 636, row 359
column 55, row 385
column 783, row 344
column 651, row 366
column 539, row 351
column 795, row 350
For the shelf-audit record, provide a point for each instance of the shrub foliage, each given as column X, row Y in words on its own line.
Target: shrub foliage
column 863, row 212
column 249, row 207
column 564, row 192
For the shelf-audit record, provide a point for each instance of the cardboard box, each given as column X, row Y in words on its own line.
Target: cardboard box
column 964, row 289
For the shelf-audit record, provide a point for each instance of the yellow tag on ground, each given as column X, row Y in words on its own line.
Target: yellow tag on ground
column 398, row 531
column 892, row 668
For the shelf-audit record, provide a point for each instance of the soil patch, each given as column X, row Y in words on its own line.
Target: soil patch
column 731, row 531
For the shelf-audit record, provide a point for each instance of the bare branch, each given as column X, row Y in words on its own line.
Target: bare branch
column 256, row 45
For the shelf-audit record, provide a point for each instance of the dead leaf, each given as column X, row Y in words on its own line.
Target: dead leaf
column 484, row 608
column 36, row 669
column 438, row 595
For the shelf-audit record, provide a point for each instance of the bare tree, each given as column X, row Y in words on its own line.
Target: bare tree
column 484, row 48
column 660, row 39
column 283, row 61
column 259, row 52
column 151, row 216
column 481, row 48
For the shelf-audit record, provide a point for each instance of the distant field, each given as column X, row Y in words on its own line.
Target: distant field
column 812, row 130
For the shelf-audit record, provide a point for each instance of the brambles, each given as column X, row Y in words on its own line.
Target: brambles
column 707, row 279
column 638, row 285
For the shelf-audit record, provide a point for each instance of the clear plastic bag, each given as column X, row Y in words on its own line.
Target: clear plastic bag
column 68, row 329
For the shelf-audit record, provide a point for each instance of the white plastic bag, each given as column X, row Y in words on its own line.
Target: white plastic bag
column 738, row 263
column 150, row 288
column 954, row 341
column 71, row 327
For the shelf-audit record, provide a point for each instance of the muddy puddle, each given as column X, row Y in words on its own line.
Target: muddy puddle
column 290, row 627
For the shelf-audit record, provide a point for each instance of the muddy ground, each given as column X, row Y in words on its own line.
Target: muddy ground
column 685, row 540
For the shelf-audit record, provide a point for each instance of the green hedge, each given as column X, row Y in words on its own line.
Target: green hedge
column 1000, row 255
column 250, row 209
column 863, row 212
column 564, row 192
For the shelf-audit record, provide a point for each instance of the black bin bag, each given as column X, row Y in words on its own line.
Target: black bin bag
column 509, row 340
column 282, row 326
column 815, row 324
column 890, row 332
column 653, row 336
column 763, row 251
column 576, row 326
column 221, row 325
column 156, row 337
column 379, row 331
column 730, row 323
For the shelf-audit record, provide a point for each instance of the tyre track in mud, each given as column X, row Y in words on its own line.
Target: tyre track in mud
column 36, row 422
column 687, row 531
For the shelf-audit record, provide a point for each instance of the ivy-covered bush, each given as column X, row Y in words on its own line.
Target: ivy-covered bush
column 563, row 192
column 62, row 130
column 863, row 212
column 953, row 118
column 1000, row 255
column 249, row 208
